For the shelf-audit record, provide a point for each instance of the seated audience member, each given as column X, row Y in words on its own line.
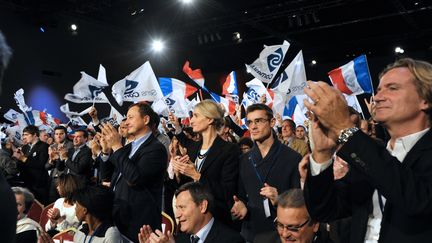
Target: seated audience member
column 245, row 144
column 293, row 222
column 26, row 228
column 62, row 215
column 289, row 138
column 194, row 204
column 93, row 205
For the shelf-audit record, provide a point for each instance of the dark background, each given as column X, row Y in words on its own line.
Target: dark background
column 117, row 34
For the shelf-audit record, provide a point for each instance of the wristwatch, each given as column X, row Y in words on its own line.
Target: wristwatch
column 345, row 134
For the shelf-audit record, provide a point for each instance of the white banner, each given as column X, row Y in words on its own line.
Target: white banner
column 140, row 85
column 268, row 63
column 88, row 90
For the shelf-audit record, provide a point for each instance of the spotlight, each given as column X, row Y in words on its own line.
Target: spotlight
column 74, row 27
column 236, row 37
column 399, row 50
column 42, row 29
column 186, row 1
column 158, row 45
column 314, row 62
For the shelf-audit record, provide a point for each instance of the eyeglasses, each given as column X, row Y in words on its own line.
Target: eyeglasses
column 258, row 121
column 292, row 228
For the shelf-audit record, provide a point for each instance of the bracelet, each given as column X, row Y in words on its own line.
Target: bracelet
column 345, row 134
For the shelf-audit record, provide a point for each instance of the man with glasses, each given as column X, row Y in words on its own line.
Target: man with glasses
column 293, row 222
column 267, row 168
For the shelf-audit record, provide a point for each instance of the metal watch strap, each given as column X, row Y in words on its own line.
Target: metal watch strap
column 345, row 134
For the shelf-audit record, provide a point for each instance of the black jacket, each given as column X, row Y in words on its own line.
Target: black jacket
column 218, row 233
column 279, row 168
column 138, row 190
column 407, row 186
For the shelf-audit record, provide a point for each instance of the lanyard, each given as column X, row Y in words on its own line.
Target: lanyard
column 254, row 165
column 91, row 237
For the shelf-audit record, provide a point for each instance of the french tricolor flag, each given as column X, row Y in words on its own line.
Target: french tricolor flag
column 230, row 85
column 196, row 75
column 352, row 78
column 230, row 106
column 170, row 85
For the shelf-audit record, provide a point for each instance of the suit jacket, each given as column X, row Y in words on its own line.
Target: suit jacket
column 217, row 234
column 33, row 171
column 80, row 166
column 407, row 186
column 322, row 236
column 137, row 183
column 219, row 173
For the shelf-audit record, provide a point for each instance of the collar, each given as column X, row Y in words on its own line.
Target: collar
column 404, row 144
column 80, row 147
column 204, row 231
column 138, row 142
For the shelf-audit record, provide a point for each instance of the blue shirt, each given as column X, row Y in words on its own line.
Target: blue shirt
column 138, row 142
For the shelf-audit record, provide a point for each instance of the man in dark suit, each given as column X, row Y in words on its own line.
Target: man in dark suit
column 138, row 177
column 194, row 204
column 32, row 158
column 78, row 160
column 268, row 168
column 396, row 177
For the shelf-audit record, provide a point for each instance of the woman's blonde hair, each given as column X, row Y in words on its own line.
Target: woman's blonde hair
column 211, row 110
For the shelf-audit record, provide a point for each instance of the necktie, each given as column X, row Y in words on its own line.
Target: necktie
column 194, row 239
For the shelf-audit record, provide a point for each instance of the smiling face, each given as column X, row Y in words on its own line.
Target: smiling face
column 189, row 214
column 199, row 122
column 79, row 139
column 398, row 103
column 295, row 217
column 136, row 124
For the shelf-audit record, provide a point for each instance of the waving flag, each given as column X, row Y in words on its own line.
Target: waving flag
column 353, row 77
column 230, row 106
column 293, row 79
column 353, row 102
column 140, row 85
column 19, row 98
column 295, row 110
column 269, row 61
column 88, row 90
column 255, row 90
column 11, row 115
column 170, row 85
column 196, row 75
column 229, row 87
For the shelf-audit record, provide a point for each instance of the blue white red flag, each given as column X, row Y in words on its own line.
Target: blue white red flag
column 180, row 88
column 230, row 106
column 229, row 87
column 352, row 78
column 196, row 75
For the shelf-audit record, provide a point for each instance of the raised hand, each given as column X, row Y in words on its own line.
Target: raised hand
column 239, row 209
column 303, row 167
column 269, row 192
column 184, row 166
column 111, row 136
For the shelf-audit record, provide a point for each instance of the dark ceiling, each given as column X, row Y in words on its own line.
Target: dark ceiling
column 327, row 30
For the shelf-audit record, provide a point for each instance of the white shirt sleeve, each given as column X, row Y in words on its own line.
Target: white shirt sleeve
column 317, row 168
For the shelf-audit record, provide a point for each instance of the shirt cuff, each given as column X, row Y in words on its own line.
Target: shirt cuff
column 317, row 168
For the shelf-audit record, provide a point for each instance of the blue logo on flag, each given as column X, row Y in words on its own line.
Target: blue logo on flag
column 275, row 59
column 169, row 101
column 95, row 91
column 130, row 86
column 253, row 95
column 282, row 78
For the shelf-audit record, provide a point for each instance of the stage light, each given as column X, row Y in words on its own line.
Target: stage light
column 42, row 29
column 74, row 27
column 314, row 62
column 399, row 50
column 158, row 45
column 186, row 1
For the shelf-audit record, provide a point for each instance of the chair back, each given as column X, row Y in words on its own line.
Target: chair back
column 44, row 215
column 65, row 236
column 35, row 210
column 167, row 223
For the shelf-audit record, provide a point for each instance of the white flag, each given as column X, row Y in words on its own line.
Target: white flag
column 293, row 79
column 255, row 90
column 268, row 63
column 65, row 109
column 11, row 115
column 177, row 105
column 140, row 85
column 19, row 98
column 353, row 102
column 160, row 107
column 114, row 114
column 88, row 90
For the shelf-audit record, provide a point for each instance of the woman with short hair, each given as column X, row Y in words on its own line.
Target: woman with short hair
column 27, row 229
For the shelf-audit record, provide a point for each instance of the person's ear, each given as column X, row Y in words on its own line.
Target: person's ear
column 204, row 206
column 146, row 120
column 272, row 122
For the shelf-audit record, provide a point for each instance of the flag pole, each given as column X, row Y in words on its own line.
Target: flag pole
column 200, row 94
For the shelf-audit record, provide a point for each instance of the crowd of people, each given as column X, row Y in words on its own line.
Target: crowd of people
column 338, row 178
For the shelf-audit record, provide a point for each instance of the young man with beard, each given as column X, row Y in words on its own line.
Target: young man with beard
column 268, row 168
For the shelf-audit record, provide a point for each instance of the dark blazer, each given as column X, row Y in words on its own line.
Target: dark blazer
column 279, row 169
column 219, row 173
column 33, row 171
column 218, row 233
column 407, row 186
column 8, row 211
column 80, row 166
column 138, row 190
